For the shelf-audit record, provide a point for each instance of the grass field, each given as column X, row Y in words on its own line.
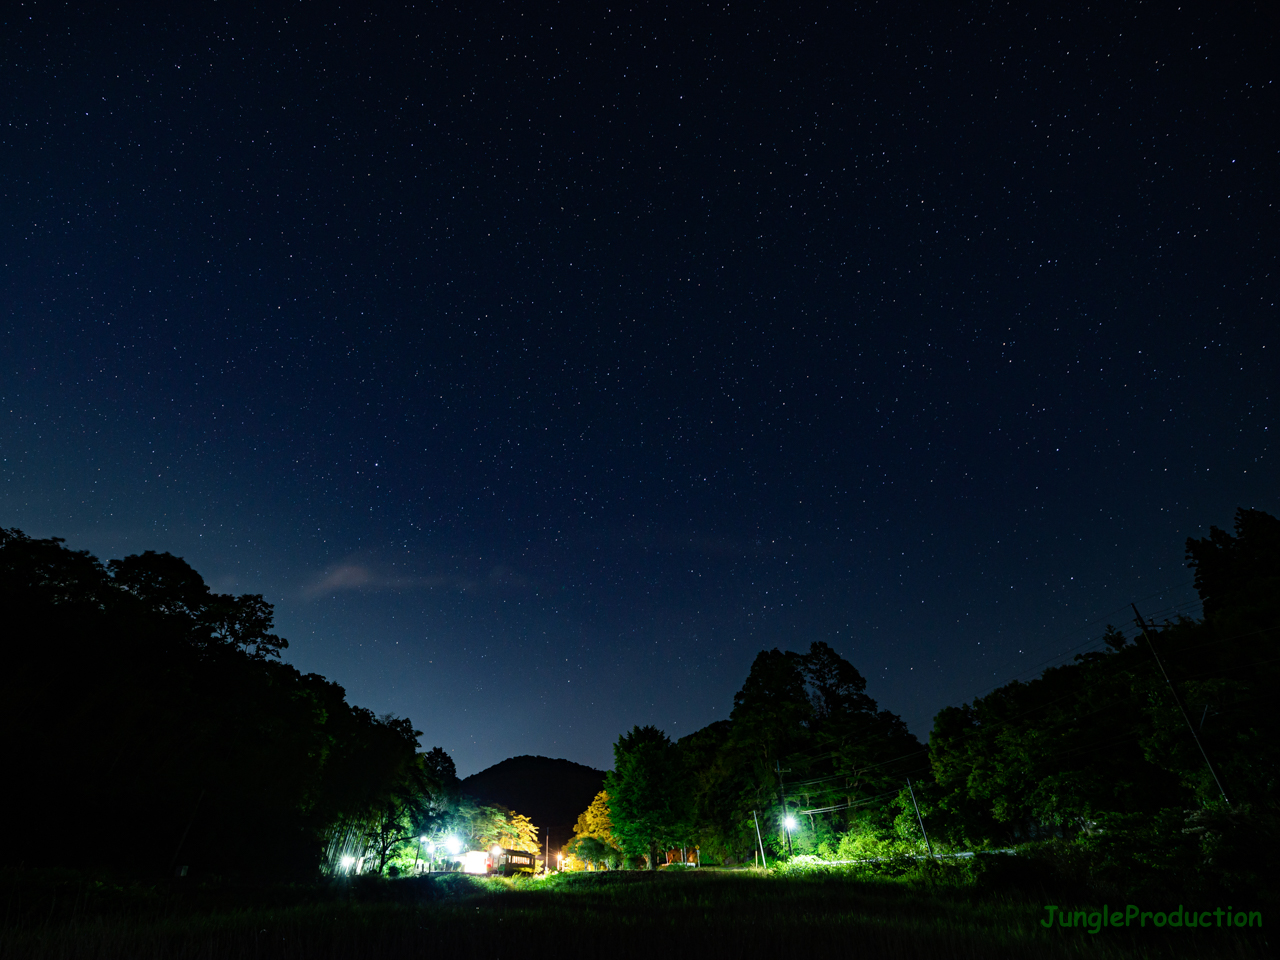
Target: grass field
column 706, row 913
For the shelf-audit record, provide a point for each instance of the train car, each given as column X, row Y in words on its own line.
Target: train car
column 512, row 862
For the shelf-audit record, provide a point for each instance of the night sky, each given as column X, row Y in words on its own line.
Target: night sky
column 542, row 363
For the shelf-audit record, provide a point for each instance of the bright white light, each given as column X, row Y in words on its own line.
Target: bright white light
column 348, row 862
column 454, row 845
column 423, row 839
column 791, row 823
column 496, row 851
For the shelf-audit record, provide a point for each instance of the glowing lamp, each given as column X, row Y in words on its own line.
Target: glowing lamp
column 791, row 823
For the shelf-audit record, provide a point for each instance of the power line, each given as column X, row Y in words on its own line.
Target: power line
column 1142, row 624
column 1086, row 625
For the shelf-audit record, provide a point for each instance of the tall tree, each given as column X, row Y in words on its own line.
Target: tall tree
column 803, row 734
column 648, row 803
column 772, row 710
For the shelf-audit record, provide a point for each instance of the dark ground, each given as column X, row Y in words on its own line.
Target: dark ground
column 708, row 913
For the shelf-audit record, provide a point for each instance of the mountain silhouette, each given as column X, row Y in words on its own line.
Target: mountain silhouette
column 552, row 793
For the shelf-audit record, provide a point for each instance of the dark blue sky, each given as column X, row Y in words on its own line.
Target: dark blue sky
column 542, row 363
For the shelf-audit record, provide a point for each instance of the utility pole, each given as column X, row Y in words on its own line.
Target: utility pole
column 777, row 765
column 192, row 819
column 763, row 862
column 919, row 818
column 1142, row 625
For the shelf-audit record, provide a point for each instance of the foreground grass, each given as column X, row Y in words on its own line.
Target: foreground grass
column 713, row 914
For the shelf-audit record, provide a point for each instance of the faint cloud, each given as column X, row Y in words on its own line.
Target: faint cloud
column 368, row 578
column 349, row 576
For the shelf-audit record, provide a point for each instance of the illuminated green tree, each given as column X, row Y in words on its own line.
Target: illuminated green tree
column 499, row 825
column 647, row 800
column 599, row 853
column 593, row 841
column 595, row 821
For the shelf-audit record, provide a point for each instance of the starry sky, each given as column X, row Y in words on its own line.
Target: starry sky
column 543, row 362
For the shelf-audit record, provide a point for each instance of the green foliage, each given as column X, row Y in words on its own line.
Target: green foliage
column 1093, row 761
column 595, row 851
column 648, row 805
column 388, row 823
column 806, row 722
column 1103, row 741
column 596, row 820
column 497, row 824
column 593, row 841
column 1046, row 754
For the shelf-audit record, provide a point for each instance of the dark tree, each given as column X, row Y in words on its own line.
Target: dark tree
column 1243, row 569
column 772, row 708
column 1101, row 743
column 165, row 702
column 441, row 768
column 169, row 586
column 836, row 687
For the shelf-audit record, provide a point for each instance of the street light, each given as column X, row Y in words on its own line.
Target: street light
column 790, row 823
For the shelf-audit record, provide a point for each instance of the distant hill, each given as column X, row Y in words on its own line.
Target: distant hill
column 552, row 793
